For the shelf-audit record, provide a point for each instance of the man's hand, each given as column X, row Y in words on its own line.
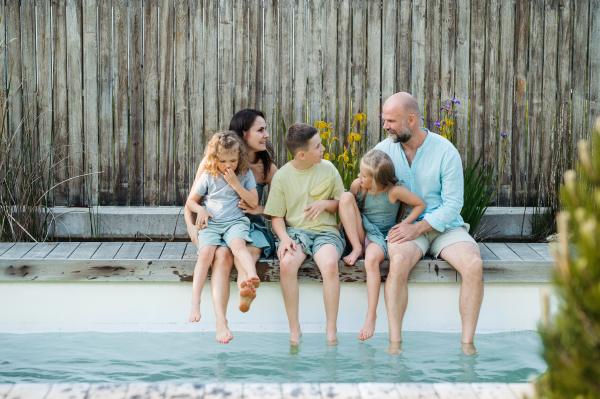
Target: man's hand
column 287, row 244
column 231, row 177
column 403, row 232
column 315, row 209
column 202, row 219
column 252, row 211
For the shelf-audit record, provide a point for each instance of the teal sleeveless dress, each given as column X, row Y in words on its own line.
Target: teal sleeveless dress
column 260, row 234
column 378, row 217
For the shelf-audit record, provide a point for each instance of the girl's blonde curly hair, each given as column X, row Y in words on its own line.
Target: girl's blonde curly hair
column 225, row 143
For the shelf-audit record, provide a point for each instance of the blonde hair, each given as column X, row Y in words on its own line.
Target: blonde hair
column 381, row 169
column 225, row 142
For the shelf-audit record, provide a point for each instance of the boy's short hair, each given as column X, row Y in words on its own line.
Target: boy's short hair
column 298, row 136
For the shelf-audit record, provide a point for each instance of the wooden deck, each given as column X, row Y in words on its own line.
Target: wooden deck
column 174, row 261
column 267, row 391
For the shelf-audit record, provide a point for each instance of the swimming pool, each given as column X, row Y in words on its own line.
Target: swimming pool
column 264, row 357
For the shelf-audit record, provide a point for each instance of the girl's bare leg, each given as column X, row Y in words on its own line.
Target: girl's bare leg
column 245, row 284
column 205, row 258
column 353, row 227
column 219, row 284
column 373, row 257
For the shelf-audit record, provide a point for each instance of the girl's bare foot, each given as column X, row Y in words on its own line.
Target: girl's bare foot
column 195, row 313
column 395, row 348
column 295, row 335
column 224, row 335
column 332, row 337
column 468, row 348
column 367, row 330
column 353, row 256
column 255, row 281
column 247, row 295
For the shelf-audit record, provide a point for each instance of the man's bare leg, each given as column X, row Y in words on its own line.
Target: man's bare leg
column 403, row 257
column 326, row 259
column 466, row 259
column 353, row 227
column 288, row 268
column 373, row 257
column 219, row 283
column 249, row 293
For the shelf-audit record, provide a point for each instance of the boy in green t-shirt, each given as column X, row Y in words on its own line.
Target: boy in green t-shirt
column 303, row 199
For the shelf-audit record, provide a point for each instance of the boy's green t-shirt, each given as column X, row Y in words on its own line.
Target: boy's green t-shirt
column 292, row 190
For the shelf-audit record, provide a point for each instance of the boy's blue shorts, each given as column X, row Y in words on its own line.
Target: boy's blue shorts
column 312, row 241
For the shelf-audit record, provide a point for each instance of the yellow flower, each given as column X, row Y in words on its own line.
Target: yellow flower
column 326, row 156
column 344, row 157
column 357, row 137
column 320, row 125
column 332, row 156
column 360, row 117
column 448, row 122
column 444, row 135
column 325, row 135
column 335, row 138
column 350, row 138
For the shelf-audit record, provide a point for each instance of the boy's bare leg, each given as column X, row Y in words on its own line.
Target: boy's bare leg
column 353, row 227
column 219, row 283
column 205, row 258
column 326, row 259
column 247, row 291
column 374, row 255
column 288, row 268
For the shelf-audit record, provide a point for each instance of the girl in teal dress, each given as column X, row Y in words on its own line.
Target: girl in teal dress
column 368, row 212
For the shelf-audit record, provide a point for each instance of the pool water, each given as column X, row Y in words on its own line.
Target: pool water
column 264, row 357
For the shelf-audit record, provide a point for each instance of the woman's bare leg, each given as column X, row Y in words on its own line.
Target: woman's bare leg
column 353, row 227
column 219, row 284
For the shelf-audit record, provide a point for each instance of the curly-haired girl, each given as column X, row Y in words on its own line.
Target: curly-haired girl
column 224, row 183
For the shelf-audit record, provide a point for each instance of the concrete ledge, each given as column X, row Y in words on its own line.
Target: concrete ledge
column 167, row 222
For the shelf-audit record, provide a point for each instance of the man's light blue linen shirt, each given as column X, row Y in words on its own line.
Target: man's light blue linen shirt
column 436, row 175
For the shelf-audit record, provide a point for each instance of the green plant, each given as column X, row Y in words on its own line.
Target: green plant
column 571, row 337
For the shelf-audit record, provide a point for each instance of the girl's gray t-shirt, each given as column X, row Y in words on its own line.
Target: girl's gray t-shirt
column 220, row 199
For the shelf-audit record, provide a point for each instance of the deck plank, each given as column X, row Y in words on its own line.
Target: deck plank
column 41, row 250
column 85, row 251
column 63, row 250
column 107, row 391
column 107, row 250
column 145, row 391
column 5, row 246
column 68, row 391
column 486, row 254
column 492, row 391
column 522, row 390
column 184, row 391
column 300, row 391
column 542, row 249
column 4, row 389
column 223, row 391
column 129, row 250
column 18, row 250
column 371, row 390
column 339, row 391
column 447, row 390
column 502, row 251
column 409, row 390
column 173, row 250
column 151, row 250
column 191, row 252
column 524, row 251
column 262, row 391
column 28, row 391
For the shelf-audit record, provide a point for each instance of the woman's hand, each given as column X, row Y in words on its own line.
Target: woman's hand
column 202, row 219
column 193, row 233
column 231, row 177
column 252, row 211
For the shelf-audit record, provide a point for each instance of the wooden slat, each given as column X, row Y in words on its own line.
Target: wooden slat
column 418, row 53
column 490, row 122
column 197, row 81
column 519, row 121
column 486, row 254
column 255, row 19
column 151, row 250
column 191, row 252
column 344, row 72
column 286, row 93
column 29, row 70
column 315, row 59
column 145, row 391
column 41, row 250
column 432, row 57
column 225, row 51
column 505, row 72
column 373, row 89
column 60, row 137
column 477, row 100
column 105, row 111
column 359, row 62
column 18, row 250
column 90, row 100
column 68, row 391
column 165, row 93
column 260, row 391
column 448, row 38
column 5, row 246
column 594, row 66
column 63, row 250
column 74, row 94
column 414, row 391
column 107, row 391
column 241, row 35
column 300, row 60
column 136, row 99
column 3, row 56
column 448, row 390
column 129, row 250
column 523, row 391
column 14, row 87
column 85, row 250
column 151, row 176
column 107, row 250
column 340, row 390
column 503, row 252
column 211, row 64
column 492, row 391
column 44, row 64
column 173, row 250
column 461, row 77
column 184, row 391
column 4, row 389
column 389, row 55
column 579, row 74
column 300, row 391
column 542, row 249
column 524, row 251
column 378, row 391
column 329, row 61
column 182, row 177
column 222, row 391
column 270, row 68
column 29, row 391
column 120, row 94
column 563, row 99
column 403, row 50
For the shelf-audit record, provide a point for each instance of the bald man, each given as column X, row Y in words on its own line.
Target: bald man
column 430, row 166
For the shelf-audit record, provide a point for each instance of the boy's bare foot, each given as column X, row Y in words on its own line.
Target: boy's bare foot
column 367, row 330
column 255, row 281
column 195, row 313
column 395, row 348
column 468, row 348
column 295, row 336
column 332, row 338
column 247, row 295
column 354, row 255
column 224, row 335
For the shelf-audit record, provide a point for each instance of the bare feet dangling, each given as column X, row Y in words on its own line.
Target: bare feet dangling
column 224, row 335
column 255, row 281
column 367, row 330
column 247, row 295
column 353, row 256
column 332, row 337
column 195, row 313
column 395, row 348
column 468, row 348
column 295, row 335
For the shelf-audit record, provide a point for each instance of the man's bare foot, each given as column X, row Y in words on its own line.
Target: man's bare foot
column 255, row 281
column 247, row 295
column 224, row 335
column 295, row 336
column 367, row 330
column 353, row 256
column 332, row 338
column 468, row 348
column 395, row 348
column 195, row 313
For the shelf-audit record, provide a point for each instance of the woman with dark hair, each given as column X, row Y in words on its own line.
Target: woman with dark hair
column 250, row 125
